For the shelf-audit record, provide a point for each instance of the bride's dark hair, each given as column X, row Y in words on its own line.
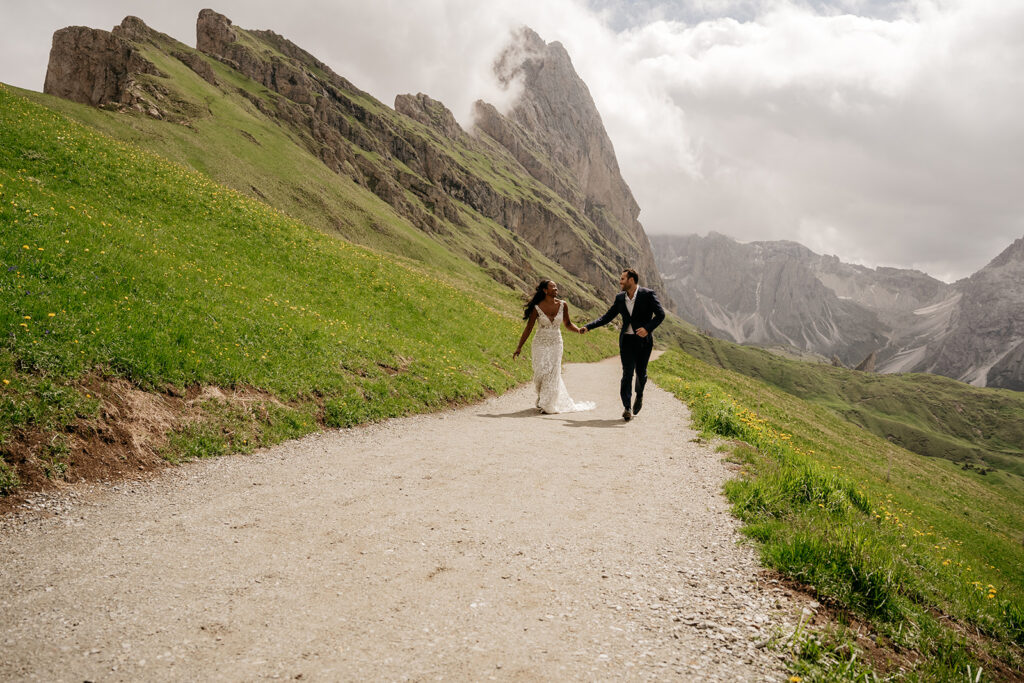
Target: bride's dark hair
column 538, row 295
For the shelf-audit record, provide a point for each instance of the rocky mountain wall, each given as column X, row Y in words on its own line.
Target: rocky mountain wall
column 555, row 131
column 765, row 294
column 885, row 319
column 984, row 344
column 96, row 67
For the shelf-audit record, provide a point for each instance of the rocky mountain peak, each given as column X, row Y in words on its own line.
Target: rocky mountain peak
column 213, row 32
column 1013, row 254
column 135, row 29
column 556, row 107
column 786, row 248
column 555, row 131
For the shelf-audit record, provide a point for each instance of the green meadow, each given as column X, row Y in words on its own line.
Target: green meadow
column 928, row 555
column 118, row 263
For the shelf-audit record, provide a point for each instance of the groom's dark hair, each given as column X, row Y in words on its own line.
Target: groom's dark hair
column 632, row 273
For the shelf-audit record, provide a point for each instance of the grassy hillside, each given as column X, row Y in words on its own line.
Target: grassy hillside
column 978, row 427
column 929, row 556
column 120, row 265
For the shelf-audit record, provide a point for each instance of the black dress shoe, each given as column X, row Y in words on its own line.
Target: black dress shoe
column 626, row 415
column 638, row 404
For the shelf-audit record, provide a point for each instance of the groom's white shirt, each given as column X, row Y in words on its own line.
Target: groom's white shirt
column 629, row 307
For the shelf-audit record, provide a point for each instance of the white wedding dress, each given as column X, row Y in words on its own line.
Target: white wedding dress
column 552, row 396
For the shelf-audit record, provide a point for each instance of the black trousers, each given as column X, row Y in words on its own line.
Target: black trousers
column 635, row 353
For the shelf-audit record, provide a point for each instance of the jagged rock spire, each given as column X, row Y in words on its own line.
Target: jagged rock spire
column 555, row 120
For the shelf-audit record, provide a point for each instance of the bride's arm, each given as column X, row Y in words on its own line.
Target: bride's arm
column 526, row 333
column 565, row 318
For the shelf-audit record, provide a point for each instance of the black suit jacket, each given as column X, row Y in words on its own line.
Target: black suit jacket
column 647, row 312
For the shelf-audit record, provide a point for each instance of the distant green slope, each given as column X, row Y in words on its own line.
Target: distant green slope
column 118, row 263
column 927, row 414
column 922, row 550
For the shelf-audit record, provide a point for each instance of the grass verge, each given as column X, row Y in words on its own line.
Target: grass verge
column 928, row 555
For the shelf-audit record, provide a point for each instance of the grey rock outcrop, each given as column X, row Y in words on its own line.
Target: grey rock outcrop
column 95, row 67
column 983, row 341
column 216, row 36
column 108, row 69
column 555, row 131
column 868, row 364
column 430, row 112
column 197, row 64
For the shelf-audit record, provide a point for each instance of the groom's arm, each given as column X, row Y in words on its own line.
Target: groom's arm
column 606, row 318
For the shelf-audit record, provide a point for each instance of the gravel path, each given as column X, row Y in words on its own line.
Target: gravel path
column 487, row 542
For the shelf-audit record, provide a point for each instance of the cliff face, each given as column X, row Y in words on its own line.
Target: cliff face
column 98, row 67
column 765, row 293
column 555, row 131
column 477, row 193
column 983, row 342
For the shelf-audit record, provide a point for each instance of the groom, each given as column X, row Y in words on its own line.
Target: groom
column 641, row 312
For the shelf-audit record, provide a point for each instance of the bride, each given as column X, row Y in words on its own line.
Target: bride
column 547, row 311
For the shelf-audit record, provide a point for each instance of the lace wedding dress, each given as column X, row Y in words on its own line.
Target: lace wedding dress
column 552, row 396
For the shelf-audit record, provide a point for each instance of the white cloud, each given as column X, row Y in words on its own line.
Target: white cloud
column 899, row 135
column 885, row 132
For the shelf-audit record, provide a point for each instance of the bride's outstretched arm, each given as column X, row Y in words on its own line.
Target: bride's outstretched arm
column 565, row 318
column 526, row 333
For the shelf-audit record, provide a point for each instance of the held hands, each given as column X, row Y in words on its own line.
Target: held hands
column 583, row 330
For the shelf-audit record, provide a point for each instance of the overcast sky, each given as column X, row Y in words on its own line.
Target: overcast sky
column 887, row 133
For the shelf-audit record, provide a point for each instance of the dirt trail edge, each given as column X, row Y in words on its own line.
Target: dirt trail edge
column 484, row 542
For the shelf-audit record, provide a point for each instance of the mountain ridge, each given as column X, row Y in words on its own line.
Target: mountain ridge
column 902, row 319
column 451, row 184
